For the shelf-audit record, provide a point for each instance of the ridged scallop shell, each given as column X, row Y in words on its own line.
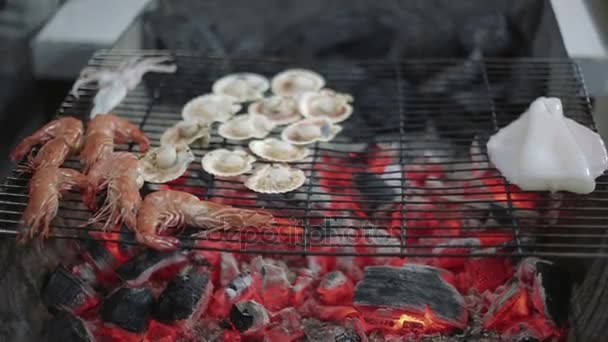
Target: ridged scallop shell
column 243, row 86
column 326, row 104
column 187, row 132
column 278, row 150
column 246, row 126
column 280, row 110
column 275, row 179
column 310, row 130
column 210, row 108
column 293, row 82
column 166, row 163
column 226, row 163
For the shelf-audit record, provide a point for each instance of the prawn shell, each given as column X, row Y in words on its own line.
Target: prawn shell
column 246, row 126
column 210, row 108
column 264, row 179
column 256, row 86
column 286, row 84
column 211, row 162
column 153, row 174
column 201, row 137
column 294, row 133
column 342, row 110
column 283, row 118
column 267, row 149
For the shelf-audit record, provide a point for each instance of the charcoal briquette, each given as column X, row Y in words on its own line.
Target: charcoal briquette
column 65, row 291
column 411, row 287
column 239, row 285
column 249, row 316
column 66, row 327
column 186, row 294
column 128, row 308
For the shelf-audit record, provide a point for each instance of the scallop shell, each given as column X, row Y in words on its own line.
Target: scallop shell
column 246, row 126
column 226, row 163
column 243, row 87
column 278, row 150
column 310, row 130
column 275, row 179
column 280, row 110
column 293, row 82
column 187, row 132
column 210, row 108
column 326, row 103
column 166, row 163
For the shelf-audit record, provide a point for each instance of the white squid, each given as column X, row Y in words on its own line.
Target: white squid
column 544, row 151
column 115, row 83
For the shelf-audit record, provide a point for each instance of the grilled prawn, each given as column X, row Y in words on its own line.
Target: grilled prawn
column 103, row 131
column 163, row 210
column 59, row 138
column 120, row 174
column 46, row 188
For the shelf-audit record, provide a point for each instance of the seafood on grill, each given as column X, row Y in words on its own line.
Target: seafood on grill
column 46, row 187
column 59, row 138
column 103, row 132
column 545, row 151
column 310, row 130
column 115, row 83
column 211, row 108
column 278, row 109
column 244, row 87
column 166, row 163
column 195, row 133
column 278, row 150
column 326, row 103
column 120, row 175
column 275, row 179
column 294, row 82
column 163, row 212
column 226, row 163
column 246, row 126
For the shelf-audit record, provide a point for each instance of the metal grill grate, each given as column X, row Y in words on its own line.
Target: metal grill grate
column 421, row 116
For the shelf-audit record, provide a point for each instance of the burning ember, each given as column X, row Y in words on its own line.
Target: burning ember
column 122, row 293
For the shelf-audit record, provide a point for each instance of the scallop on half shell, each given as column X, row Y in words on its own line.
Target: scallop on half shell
column 310, row 130
column 243, row 86
column 166, row 163
column 278, row 150
column 187, row 132
column 280, row 110
column 275, row 179
column 293, row 82
column 226, row 163
column 210, row 108
column 326, row 103
column 246, row 126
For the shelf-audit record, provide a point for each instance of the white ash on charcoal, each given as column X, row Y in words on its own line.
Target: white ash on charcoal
column 275, row 286
column 65, row 291
column 335, row 288
column 185, row 297
column 138, row 270
column 128, row 308
column 316, row 330
column 239, row 285
column 249, row 316
column 66, row 328
column 229, row 268
column 411, row 289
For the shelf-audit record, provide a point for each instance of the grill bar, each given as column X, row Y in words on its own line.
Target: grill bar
column 412, row 118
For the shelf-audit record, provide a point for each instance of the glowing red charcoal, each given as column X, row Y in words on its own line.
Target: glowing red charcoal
column 511, row 305
column 484, row 274
column 335, row 289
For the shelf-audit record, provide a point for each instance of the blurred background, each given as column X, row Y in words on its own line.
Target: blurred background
column 44, row 44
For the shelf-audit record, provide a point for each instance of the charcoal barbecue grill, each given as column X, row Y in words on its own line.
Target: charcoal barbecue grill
column 394, row 103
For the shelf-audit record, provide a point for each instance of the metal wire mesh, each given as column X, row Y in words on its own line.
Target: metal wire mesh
column 407, row 176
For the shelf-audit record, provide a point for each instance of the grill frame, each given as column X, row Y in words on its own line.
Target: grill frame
column 157, row 101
